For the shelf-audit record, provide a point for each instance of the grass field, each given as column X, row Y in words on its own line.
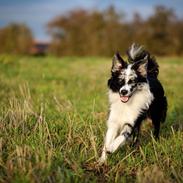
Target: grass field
column 52, row 124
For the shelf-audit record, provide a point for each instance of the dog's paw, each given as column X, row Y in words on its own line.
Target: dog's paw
column 102, row 160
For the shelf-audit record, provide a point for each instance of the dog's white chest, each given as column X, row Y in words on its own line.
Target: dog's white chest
column 121, row 113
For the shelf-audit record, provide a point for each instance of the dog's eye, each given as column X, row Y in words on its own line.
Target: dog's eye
column 122, row 82
column 130, row 81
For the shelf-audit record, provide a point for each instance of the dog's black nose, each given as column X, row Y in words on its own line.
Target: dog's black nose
column 123, row 92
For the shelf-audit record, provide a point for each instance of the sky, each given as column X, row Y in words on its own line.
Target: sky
column 37, row 13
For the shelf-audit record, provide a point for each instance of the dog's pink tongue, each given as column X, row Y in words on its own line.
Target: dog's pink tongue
column 124, row 98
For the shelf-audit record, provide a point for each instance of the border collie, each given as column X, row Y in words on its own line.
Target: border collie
column 135, row 93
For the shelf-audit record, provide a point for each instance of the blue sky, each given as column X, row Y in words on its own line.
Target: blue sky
column 36, row 13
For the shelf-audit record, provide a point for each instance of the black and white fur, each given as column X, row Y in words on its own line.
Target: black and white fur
column 135, row 94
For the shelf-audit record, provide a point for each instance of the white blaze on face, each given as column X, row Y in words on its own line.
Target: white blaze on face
column 129, row 74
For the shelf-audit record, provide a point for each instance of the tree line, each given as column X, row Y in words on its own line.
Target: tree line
column 15, row 39
column 101, row 33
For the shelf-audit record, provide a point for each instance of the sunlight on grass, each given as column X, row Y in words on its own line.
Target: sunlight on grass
column 53, row 113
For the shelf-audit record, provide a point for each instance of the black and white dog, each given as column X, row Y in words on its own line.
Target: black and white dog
column 135, row 94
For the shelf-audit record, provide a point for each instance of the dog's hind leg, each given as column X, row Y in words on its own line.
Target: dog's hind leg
column 158, row 114
column 156, row 124
column 156, row 120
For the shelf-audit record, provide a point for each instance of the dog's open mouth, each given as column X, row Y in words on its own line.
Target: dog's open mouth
column 124, row 98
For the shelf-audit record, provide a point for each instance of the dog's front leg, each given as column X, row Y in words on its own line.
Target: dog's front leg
column 122, row 138
column 110, row 136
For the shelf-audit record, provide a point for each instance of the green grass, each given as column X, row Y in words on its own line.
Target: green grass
column 52, row 124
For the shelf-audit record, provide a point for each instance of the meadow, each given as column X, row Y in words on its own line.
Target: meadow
column 52, row 124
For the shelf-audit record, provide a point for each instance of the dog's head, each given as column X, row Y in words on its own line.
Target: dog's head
column 126, row 78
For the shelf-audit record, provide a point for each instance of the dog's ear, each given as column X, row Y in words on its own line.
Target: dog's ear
column 141, row 66
column 117, row 63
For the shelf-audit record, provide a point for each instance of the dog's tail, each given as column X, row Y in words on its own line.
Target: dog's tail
column 136, row 53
